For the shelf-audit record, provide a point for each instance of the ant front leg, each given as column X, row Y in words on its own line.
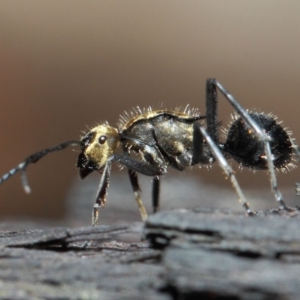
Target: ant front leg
column 101, row 193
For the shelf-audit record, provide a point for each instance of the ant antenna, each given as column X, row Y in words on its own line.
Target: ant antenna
column 33, row 159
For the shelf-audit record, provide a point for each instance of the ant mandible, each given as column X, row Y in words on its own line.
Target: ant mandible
column 179, row 139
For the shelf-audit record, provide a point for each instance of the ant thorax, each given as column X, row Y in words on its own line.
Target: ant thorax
column 161, row 137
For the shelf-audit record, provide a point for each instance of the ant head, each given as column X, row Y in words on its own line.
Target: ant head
column 97, row 146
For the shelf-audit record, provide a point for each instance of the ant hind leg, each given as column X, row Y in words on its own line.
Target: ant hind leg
column 261, row 136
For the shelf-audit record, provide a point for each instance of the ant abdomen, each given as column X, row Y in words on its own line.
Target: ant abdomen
column 243, row 146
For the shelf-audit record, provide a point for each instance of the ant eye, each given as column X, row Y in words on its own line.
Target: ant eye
column 102, row 139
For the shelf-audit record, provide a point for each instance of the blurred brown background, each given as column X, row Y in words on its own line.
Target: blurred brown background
column 68, row 64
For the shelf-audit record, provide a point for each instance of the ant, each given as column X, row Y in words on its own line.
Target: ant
column 179, row 139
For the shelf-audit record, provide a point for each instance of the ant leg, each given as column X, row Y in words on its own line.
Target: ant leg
column 296, row 149
column 297, row 186
column 259, row 132
column 273, row 178
column 261, row 135
column 133, row 166
column 138, row 166
column 201, row 154
column 33, row 159
column 212, row 110
column 101, row 193
column 212, row 138
column 155, row 193
column 297, row 154
column 137, row 193
column 199, row 133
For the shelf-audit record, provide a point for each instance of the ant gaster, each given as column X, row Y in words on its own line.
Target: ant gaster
column 179, row 139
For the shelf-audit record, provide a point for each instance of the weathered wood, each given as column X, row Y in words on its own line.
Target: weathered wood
column 53, row 264
column 217, row 255
column 200, row 254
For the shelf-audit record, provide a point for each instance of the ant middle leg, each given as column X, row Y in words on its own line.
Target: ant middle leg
column 155, row 193
column 203, row 154
column 137, row 193
column 135, row 166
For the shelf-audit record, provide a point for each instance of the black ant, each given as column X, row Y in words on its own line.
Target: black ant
column 179, row 139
